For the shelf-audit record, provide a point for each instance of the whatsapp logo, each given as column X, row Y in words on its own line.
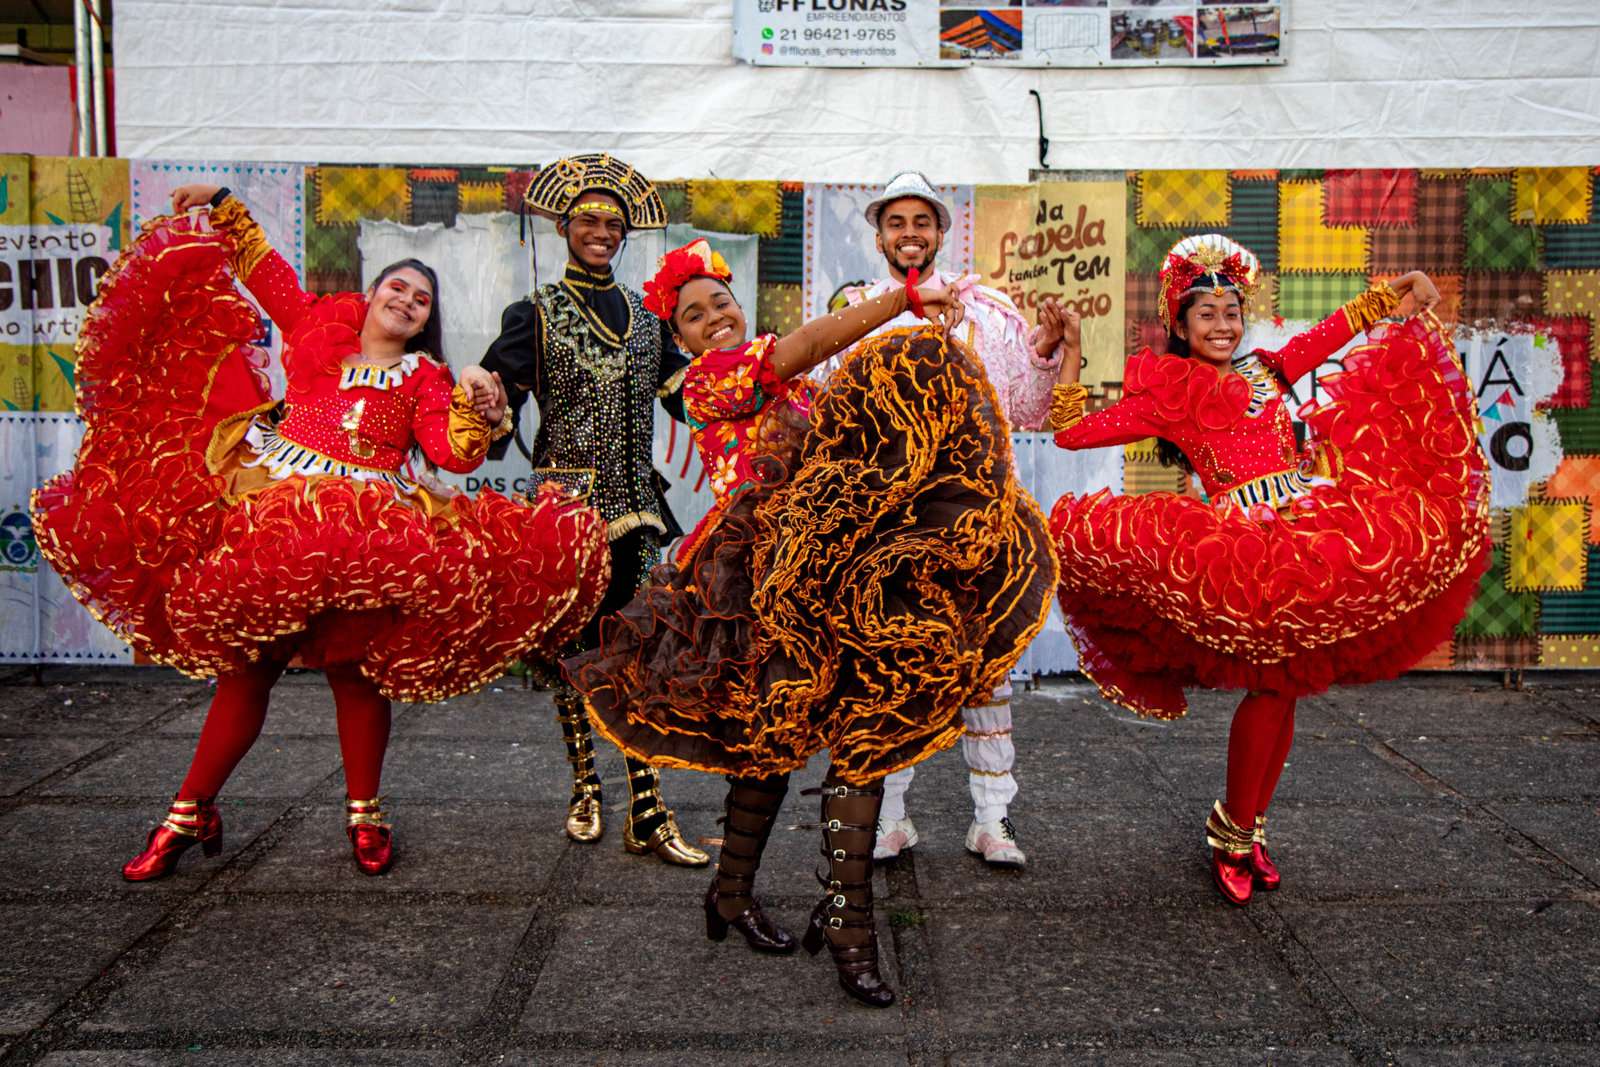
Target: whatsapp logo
column 766, row 34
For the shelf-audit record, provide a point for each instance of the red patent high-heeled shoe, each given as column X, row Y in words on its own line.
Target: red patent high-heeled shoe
column 370, row 837
column 187, row 822
column 1261, row 865
column 1231, row 846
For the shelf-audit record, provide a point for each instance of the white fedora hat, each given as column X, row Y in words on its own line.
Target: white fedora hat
column 909, row 183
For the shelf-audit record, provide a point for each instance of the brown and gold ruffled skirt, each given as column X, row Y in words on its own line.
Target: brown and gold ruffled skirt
column 887, row 572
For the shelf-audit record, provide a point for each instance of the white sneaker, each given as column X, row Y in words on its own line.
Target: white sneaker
column 996, row 842
column 894, row 836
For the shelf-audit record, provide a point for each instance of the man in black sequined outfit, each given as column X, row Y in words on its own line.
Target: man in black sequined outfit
column 595, row 362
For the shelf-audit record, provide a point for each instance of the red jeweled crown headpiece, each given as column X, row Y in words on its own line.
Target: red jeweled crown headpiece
column 1231, row 267
column 693, row 260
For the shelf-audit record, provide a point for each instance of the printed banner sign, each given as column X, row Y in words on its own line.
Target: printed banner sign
column 1023, row 33
column 1066, row 241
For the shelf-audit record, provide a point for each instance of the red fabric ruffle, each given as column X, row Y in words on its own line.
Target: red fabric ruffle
column 331, row 569
column 1358, row 582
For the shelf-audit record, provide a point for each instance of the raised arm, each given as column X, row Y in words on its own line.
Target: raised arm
column 263, row 271
column 822, row 337
column 1307, row 351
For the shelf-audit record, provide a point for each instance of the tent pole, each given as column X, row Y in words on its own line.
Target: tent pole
column 97, row 67
column 80, row 36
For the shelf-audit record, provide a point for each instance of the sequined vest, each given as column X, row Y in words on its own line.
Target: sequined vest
column 596, row 429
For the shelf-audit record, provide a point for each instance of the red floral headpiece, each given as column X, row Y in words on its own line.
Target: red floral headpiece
column 1230, row 266
column 693, row 260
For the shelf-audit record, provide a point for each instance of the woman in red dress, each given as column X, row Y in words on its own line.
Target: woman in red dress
column 222, row 532
column 1340, row 563
column 868, row 567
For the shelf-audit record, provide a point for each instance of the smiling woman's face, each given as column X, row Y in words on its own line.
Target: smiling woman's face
column 400, row 304
column 1213, row 326
column 707, row 317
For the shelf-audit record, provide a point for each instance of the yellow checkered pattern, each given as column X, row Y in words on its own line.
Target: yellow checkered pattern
column 482, row 198
column 1305, row 244
column 736, row 207
column 1548, row 546
column 1184, row 198
column 346, row 195
column 1545, row 195
column 1571, row 652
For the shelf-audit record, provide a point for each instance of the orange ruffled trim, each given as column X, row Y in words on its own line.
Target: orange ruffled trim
column 334, row 570
column 1356, row 582
column 858, row 605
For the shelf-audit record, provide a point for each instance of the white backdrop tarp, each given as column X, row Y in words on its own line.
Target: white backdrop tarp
column 1456, row 83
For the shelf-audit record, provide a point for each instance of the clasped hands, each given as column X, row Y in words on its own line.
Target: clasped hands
column 488, row 395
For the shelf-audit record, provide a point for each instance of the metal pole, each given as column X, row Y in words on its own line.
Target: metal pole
column 97, row 65
column 80, row 37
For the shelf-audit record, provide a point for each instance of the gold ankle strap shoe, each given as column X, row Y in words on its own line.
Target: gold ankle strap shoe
column 1222, row 832
column 583, row 814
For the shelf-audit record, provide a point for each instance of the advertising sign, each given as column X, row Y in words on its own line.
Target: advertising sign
column 1023, row 33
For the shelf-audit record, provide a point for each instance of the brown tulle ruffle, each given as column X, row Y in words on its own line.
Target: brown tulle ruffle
column 857, row 604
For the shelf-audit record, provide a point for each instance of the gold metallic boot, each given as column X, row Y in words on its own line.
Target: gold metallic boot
column 666, row 841
column 583, row 812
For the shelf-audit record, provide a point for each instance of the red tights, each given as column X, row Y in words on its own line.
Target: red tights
column 1258, row 745
column 240, row 707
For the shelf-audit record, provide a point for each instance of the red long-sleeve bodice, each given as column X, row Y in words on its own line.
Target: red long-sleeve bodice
column 1234, row 428
column 361, row 416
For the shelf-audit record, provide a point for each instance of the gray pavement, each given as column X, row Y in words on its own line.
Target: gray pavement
column 1439, row 838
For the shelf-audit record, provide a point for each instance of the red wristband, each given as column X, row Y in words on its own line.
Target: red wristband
column 911, row 294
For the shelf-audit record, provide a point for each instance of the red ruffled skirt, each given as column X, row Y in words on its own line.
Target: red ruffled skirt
column 205, row 564
column 1355, row 583
column 888, row 572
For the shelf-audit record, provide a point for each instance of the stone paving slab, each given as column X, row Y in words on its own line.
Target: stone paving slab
column 651, row 970
column 1570, row 831
column 84, row 710
column 447, row 847
column 1066, row 1055
column 719, row 1058
column 1335, row 768
column 1459, row 711
column 1118, row 970
column 155, row 767
column 1558, row 767
column 83, row 846
column 475, row 769
column 353, row 965
column 26, row 760
column 48, row 950
column 1471, row 964
column 293, row 710
column 299, row 1057
column 511, row 714
column 1410, row 847
column 1109, row 853
column 1518, row 1055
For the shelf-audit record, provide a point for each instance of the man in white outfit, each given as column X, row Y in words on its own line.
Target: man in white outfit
column 911, row 221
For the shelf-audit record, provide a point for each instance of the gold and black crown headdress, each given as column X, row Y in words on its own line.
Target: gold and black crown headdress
column 555, row 189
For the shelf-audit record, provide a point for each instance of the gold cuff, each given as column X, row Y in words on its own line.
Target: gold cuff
column 502, row 428
column 1066, row 405
column 1375, row 304
column 250, row 244
column 467, row 431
